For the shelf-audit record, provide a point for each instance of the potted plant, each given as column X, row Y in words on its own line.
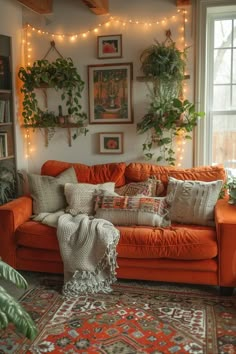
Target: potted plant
column 231, row 187
column 169, row 114
column 60, row 74
column 7, row 184
column 10, row 309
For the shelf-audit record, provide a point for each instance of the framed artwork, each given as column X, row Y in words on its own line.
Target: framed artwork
column 109, row 46
column 111, row 143
column 110, row 93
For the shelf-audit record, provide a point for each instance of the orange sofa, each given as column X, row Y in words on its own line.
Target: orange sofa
column 179, row 253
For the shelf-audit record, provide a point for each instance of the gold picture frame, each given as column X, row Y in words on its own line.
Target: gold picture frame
column 110, row 93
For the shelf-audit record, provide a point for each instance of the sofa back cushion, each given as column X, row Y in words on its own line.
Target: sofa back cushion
column 141, row 171
column 110, row 172
column 138, row 171
column 202, row 173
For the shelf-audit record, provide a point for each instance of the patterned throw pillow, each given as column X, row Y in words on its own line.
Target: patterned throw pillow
column 150, row 188
column 192, row 202
column 80, row 196
column 125, row 210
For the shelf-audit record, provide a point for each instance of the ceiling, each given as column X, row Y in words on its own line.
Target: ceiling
column 98, row 7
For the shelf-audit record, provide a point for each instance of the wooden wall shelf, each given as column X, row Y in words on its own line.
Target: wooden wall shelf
column 144, row 78
column 67, row 126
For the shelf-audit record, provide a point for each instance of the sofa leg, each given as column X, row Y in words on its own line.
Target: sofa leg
column 226, row 291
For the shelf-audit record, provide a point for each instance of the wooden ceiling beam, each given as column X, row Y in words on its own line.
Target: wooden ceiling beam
column 183, row 2
column 41, row 7
column 98, row 7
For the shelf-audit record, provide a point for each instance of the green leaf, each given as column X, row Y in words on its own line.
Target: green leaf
column 16, row 314
column 149, row 155
column 9, row 273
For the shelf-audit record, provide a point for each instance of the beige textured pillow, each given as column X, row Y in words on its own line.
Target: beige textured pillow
column 80, row 196
column 192, row 202
column 125, row 210
column 48, row 192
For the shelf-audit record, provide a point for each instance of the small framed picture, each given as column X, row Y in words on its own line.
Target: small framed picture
column 111, row 143
column 109, row 46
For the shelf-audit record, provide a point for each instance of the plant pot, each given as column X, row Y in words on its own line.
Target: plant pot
column 71, row 119
column 61, row 120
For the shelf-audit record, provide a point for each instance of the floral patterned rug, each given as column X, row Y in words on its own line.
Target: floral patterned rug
column 134, row 318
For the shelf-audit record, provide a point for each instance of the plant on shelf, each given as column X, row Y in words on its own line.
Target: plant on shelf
column 169, row 115
column 11, row 310
column 60, row 74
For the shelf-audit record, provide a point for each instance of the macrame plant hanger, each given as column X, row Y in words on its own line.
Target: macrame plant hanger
column 46, row 130
column 51, row 49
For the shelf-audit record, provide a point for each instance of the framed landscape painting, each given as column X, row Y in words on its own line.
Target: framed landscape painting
column 109, row 46
column 110, row 93
column 111, row 143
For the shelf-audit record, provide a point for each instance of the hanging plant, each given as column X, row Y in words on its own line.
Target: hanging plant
column 163, row 123
column 169, row 115
column 60, row 75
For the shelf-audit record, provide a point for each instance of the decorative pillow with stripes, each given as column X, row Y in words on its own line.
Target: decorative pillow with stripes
column 125, row 210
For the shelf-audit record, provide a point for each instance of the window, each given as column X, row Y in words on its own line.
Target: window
column 219, row 86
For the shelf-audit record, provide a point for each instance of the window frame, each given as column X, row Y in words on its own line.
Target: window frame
column 202, row 153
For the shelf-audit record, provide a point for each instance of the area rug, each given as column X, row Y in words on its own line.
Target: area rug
column 132, row 319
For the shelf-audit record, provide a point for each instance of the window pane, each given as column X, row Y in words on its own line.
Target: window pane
column 222, row 66
column 234, row 66
column 221, row 98
column 234, row 33
column 234, row 97
column 224, row 140
column 223, row 34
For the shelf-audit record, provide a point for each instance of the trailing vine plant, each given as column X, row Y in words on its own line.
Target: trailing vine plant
column 60, row 75
column 169, row 114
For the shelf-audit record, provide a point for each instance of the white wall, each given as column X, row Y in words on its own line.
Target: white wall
column 11, row 25
column 72, row 17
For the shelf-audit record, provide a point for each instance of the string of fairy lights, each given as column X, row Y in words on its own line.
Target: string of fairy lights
column 180, row 16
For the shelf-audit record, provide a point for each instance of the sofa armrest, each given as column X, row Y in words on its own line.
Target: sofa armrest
column 225, row 218
column 12, row 215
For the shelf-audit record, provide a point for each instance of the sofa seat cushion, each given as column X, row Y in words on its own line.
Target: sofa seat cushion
column 183, row 242
column 34, row 234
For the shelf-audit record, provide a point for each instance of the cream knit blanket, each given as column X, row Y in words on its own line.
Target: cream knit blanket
column 88, row 250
